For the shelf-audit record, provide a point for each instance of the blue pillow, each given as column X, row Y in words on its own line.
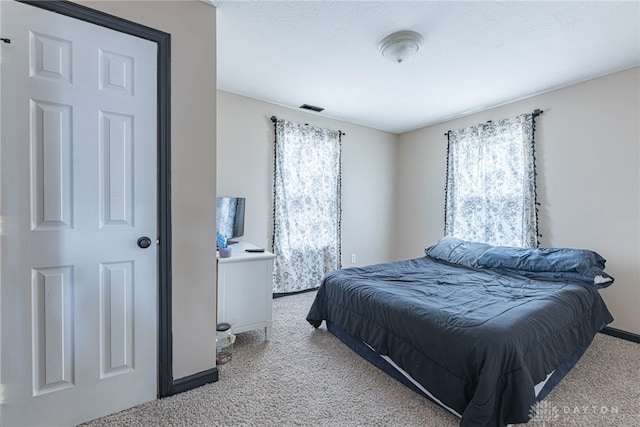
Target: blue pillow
column 542, row 259
column 596, row 277
column 582, row 263
column 457, row 251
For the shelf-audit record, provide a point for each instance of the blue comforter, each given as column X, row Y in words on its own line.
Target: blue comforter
column 478, row 339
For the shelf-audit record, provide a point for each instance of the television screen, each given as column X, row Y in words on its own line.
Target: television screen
column 230, row 216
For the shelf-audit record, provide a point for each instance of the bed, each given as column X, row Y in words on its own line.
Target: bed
column 484, row 331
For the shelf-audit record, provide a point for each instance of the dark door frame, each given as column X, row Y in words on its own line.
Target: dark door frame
column 166, row 384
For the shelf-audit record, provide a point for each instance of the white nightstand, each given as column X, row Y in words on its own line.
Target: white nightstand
column 245, row 289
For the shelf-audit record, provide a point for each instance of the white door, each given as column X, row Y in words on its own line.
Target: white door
column 78, row 188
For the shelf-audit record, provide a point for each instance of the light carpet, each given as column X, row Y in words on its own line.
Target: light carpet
column 307, row 377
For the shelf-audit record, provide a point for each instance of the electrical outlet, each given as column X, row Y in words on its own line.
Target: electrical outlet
column 353, row 258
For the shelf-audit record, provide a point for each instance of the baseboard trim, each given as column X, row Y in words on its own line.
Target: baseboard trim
column 194, row 381
column 618, row 333
column 285, row 294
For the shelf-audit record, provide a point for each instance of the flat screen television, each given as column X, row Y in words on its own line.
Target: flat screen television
column 230, row 217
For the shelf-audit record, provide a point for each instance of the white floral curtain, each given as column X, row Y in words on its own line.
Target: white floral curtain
column 491, row 185
column 306, row 230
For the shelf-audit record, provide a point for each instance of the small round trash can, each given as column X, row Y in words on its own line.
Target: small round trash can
column 224, row 343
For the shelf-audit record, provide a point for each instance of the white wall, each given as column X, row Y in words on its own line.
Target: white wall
column 245, row 169
column 192, row 25
column 588, row 158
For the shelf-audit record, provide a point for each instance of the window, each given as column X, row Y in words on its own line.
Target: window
column 491, row 188
column 306, row 230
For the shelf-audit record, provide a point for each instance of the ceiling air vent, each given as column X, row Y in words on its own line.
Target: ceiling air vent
column 311, row 107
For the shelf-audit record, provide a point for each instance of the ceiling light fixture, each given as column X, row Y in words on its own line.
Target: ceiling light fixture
column 400, row 46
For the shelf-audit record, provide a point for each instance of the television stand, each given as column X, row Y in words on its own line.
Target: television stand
column 245, row 289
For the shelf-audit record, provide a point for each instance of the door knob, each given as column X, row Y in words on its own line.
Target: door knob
column 144, row 242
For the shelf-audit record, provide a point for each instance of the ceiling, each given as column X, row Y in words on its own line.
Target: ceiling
column 476, row 54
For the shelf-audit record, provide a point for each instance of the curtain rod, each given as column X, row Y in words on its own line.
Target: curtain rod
column 275, row 119
column 535, row 114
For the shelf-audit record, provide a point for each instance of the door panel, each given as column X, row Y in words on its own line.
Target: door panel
column 52, row 329
column 116, row 318
column 50, row 165
column 116, row 170
column 78, row 183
